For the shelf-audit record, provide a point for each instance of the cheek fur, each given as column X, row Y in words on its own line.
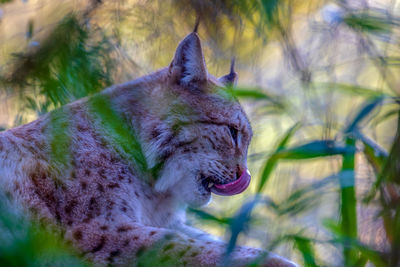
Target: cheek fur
column 190, row 192
column 175, row 169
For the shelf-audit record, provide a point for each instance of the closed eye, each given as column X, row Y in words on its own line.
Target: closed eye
column 234, row 134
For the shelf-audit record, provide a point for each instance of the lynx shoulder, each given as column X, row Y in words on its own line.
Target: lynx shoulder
column 113, row 170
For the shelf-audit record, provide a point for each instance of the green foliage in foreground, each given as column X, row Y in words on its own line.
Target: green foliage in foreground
column 114, row 128
column 23, row 243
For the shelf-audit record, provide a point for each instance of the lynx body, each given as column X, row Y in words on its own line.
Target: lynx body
column 193, row 140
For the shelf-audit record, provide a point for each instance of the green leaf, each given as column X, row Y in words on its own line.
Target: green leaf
column 156, row 256
column 250, row 93
column 333, row 226
column 232, row 93
column 364, row 112
column 348, row 213
column 239, row 224
column 365, row 22
column 270, row 10
column 375, row 154
column 114, row 128
column 209, row 217
column 304, row 245
column 24, row 243
column 271, row 162
column 387, row 115
column 368, row 254
column 59, row 134
column 314, row 149
column 352, row 89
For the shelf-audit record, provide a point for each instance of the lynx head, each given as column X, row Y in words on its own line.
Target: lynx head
column 207, row 133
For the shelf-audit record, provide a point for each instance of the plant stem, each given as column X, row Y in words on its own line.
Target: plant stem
column 348, row 206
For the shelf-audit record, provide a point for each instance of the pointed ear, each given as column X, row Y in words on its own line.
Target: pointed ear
column 231, row 78
column 188, row 66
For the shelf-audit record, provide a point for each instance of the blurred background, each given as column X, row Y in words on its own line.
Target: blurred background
column 318, row 79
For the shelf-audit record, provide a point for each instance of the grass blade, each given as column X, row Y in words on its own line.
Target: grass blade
column 304, row 245
column 255, row 94
column 258, row 94
column 365, row 22
column 375, row 154
column 270, row 164
column 239, row 224
column 314, row 149
column 351, row 89
column 205, row 216
column 365, row 111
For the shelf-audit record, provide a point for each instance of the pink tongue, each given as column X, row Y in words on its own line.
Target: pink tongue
column 233, row 188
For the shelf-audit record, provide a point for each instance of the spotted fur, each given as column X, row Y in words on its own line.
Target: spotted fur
column 97, row 194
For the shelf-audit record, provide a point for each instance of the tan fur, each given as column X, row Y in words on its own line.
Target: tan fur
column 108, row 211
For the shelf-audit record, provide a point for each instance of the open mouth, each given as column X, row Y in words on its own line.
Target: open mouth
column 228, row 189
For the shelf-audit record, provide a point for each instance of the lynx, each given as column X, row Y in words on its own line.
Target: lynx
column 81, row 170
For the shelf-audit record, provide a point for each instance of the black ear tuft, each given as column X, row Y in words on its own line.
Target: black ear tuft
column 231, row 78
column 196, row 26
column 188, row 66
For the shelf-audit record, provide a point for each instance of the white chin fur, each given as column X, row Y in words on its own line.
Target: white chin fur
column 172, row 173
column 182, row 183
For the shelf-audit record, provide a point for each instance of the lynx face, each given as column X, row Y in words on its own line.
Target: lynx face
column 211, row 133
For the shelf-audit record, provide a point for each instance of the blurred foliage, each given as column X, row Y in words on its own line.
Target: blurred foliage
column 64, row 67
column 113, row 126
column 60, row 143
column 27, row 244
column 320, row 87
